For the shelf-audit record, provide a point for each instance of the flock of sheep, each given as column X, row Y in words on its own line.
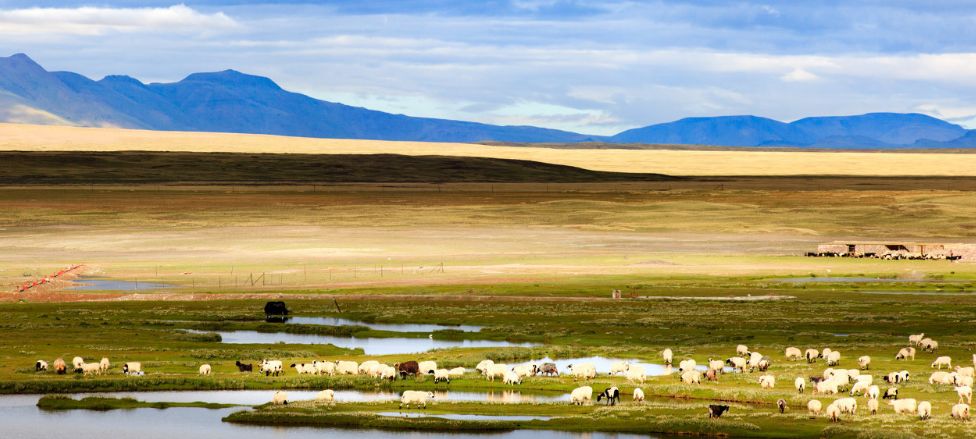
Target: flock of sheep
column 833, row 381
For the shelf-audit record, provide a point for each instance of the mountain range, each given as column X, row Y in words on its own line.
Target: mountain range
column 231, row 101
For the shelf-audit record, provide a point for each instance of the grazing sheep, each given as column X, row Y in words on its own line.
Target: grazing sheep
column 833, row 413
column 711, row 375
column 915, row 339
column 77, row 362
column 767, row 381
column 826, row 387
column 496, row 371
column 131, row 367
column 271, row 367
column 348, row 368
column 793, row 353
column 890, row 393
column 905, row 406
column 304, row 368
column 668, row 357
column 716, row 365
column 853, row 374
column 754, row 359
column 833, row 358
column 846, row 405
column 763, row 364
column 581, row 395
column 550, row 369
column 585, row 371
column 427, row 367
column 408, row 368
column 800, row 384
column 924, row 410
column 59, row 367
column 942, row 361
column 960, row 380
column 524, row 370
column 905, row 354
column 961, row 412
column 686, row 365
column 612, row 394
column 929, row 345
column 91, row 368
column 811, row 355
column 966, row 371
column 874, row 392
column 618, row 367
column 866, row 379
column 825, row 352
column 859, row 388
column 737, row 363
column 445, row 375
column 742, row 350
column 965, row 394
column 903, row 376
column 327, row 396
column 244, row 367
column 691, row 377
column 483, row 366
column 457, row 372
column 104, row 364
column 864, row 362
column 40, row 366
column 716, row 410
column 280, row 398
column 781, row 403
column 873, row 406
column 205, row 369
column 814, row 407
column 415, row 397
column 366, row 366
column 511, row 378
column 388, row 372
column 638, row 395
column 940, row 378
column 636, row 374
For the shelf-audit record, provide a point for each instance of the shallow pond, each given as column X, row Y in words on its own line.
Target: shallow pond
column 257, row 397
column 369, row 345
column 395, row 327
column 21, row 419
column 114, row 285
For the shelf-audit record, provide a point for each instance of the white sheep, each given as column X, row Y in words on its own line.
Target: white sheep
column 826, row 387
column 365, row 366
column 811, row 355
column 942, row 361
column 688, row 364
column 442, row 375
column 905, row 406
column 91, row 368
column 495, row 371
column 638, row 395
column 800, row 384
column 960, row 411
column 742, row 350
column 40, row 366
column 859, row 387
column 927, row 344
column 940, row 378
column 874, row 392
column 271, row 367
column 512, row 378
column 737, row 363
column 793, row 353
column 304, row 368
column 524, row 370
column 825, row 352
column 388, row 372
column 716, row 365
column 915, row 339
column 77, row 362
column 846, row 405
column 866, row 379
column 324, row 367
column 457, row 372
column 905, row 354
column 581, row 395
column 864, row 362
column 280, row 398
column 619, row 367
column 205, row 369
column 873, row 406
column 327, row 396
column 965, row 394
column 585, row 371
column 347, row 367
column 691, row 377
column 754, row 359
column 832, row 413
column 960, row 380
column 483, row 366
column 966, row 371
column 131, row 367
column 668, row 357
column 924, row 410
column 814, row 407
column 427, row 367
column 105, row 364
column 636, row 374
column 833, row 358
column 767, row 381
column 415, row 397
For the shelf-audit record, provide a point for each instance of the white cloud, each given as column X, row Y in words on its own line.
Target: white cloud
column 799, row 75
column 93, row 21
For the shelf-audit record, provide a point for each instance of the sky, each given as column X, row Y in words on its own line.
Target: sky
column 596, row 67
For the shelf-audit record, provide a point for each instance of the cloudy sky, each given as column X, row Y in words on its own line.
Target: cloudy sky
column 596, row 66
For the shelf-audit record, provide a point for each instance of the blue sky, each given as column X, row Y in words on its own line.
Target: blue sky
column 596, row 67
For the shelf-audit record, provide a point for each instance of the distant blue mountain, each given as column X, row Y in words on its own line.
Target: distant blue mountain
column 231, row 101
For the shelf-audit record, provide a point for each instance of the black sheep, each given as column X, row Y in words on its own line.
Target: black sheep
column 612, row 394
column 716, row 410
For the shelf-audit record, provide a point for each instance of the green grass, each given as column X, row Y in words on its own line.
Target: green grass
column 61, row 402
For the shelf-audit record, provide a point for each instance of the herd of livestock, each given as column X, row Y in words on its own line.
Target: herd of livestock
column 834, row 380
